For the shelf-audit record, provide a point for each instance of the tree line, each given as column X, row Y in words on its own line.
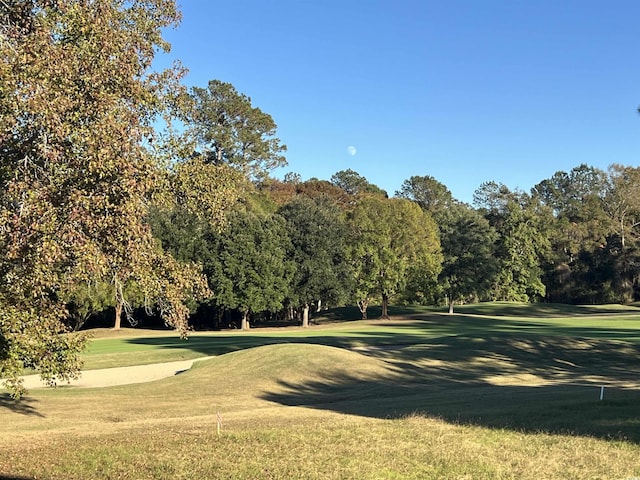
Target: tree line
column 290, row 247
column 121, row 188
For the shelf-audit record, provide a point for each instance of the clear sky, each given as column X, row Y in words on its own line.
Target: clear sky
column 463, row 90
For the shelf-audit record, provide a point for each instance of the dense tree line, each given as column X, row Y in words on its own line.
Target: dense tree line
column 103, row 210
column 572, row 239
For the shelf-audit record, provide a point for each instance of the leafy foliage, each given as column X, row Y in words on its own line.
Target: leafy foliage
column 77, row 107
column 522, row 244
column 353, row 183
column 388, row 238
column 317, row 232
column 431, row 195
column 229, row 130
column 470, row 265
column 248, row 269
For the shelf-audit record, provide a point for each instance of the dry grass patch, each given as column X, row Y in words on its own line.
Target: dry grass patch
column 323, row 445
column 423, row 411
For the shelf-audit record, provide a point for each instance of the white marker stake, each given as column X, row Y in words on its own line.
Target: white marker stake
column 601, row 393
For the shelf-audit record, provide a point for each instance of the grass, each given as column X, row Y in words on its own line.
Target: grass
column 423, row 396
column 410, row 325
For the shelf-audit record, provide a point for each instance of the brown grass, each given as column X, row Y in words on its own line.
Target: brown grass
column 491, row 407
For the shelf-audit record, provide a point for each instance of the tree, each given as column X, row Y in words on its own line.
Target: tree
column 522, row 243
column 353, row 183
column 228, row 129
column 76, row 177
column 621, row 203
column 387, row 238
column 576, row 201
column 248, row 269
column 282, row 193
column 466, row 237
column 579, row 229
column 468, row 247
column 317, row 232
column 431, row 195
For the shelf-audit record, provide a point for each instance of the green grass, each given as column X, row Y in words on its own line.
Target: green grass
column 423, row 396
column 409, row 325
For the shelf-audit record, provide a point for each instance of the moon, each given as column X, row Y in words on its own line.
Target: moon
column 351, row 150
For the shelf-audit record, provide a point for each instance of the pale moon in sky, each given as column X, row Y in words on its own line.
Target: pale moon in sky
column 351, row 150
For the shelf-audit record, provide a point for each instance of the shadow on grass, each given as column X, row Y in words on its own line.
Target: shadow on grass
column 497, row 309
column 530, row 375
column 417, row 329
column 24, row 406
column 11, row 477
column 555, row 409
column 534, row 384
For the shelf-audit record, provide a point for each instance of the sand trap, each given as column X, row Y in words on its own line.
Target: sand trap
column 107, row 377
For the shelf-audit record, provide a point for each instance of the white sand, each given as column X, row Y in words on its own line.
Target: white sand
column 107, row 377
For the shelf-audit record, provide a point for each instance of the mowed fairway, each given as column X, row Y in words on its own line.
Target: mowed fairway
column 498, row 391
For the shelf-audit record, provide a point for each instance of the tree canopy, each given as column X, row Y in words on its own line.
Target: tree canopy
column 388, row 237
column 77, row 103
column 249, row 270
column 318, row 240
column 228, row 129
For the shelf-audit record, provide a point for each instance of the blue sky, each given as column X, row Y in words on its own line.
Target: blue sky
column 466, row 91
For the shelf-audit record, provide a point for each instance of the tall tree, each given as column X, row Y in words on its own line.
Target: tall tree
column 576, row 201
column 622, row 205
column 387, row 238
column 468, row 245
column 466, row 237
column 249, row 270
column 76, row 112
column 317, row 232
column 431, row 195
column 353, row 183
column 228, row 129
column 578, row 229
column 522, row 244
column 622, row 202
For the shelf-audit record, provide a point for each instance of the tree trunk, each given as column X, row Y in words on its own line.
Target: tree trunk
column 245, row 321
column 385, row 305
column 305, row 315
column 117, row 323
column 362, row 305
column 451, row 307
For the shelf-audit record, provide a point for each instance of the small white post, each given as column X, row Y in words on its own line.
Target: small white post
column 602, row 393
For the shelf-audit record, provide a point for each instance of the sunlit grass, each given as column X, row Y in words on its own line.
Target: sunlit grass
column 424, row 396
column 409, row 325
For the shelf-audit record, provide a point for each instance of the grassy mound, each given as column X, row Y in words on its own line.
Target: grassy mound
column 293, row 373
column 430, row 396
column 291, row 361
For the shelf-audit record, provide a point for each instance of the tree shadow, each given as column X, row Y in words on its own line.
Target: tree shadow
column 534, row 384
column 401, row 332
column 219, row 344
column 545, row 310
column 24, row 406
